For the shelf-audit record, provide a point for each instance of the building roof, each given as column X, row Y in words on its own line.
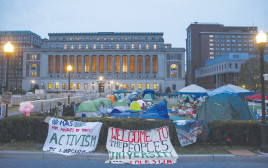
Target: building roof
column 106, row 33
column 19, row 32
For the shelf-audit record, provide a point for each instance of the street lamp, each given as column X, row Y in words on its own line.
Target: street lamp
column 8, row 50
column 112, row 85
column 32, row 84
column 101, row 78
column 261, row 40
column 69, row 69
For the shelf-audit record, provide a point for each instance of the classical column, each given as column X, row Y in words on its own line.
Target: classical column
column 128, row 64
column 121, row 64
column 98, row 66
column 90, row 64
column 54, row 64
column 61, row 64
column 75, row 64
column 105, row 66
column 83, row 65
column 151, row 65
column 143, row 64
column 113, row 64
column 136, row 65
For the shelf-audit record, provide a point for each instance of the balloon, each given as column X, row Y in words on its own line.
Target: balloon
column 32, row 107
column 27, row 110
column 28, row 114
column 21, row 110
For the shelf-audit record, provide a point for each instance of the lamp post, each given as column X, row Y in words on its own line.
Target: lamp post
column 261, row 40
column 69, row 68
column 32, row 84
column 100, row 85
column 8, row 49
column 112, row 85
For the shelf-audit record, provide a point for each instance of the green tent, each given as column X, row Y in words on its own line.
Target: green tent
column 121, row 102
column 87, row 106
column 148, row 97
column 225, row 106
column 98, row 102
column 184, row 97
column 135, row 106
column 106, row 102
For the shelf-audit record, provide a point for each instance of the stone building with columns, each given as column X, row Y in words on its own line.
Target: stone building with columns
column 103, row 62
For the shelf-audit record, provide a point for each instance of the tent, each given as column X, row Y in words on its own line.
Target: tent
column 148, row 97
column 132, row 97
column 225, row 106
column 120, row 91
column 159, row 111
column 136, row 92
column 193, row 90
column 121, row 105
column 148, row 91
column 141, row 103
column 185, row 97
column 135, row 106
column 256, row 97
column 111, row 97
column 124, row 114
column 231, row 89
column 88, row 108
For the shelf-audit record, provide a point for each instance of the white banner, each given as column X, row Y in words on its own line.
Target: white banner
column 140, row 146
column 72, row 137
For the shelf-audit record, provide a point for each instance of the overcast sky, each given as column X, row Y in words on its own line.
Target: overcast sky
column 169, row 16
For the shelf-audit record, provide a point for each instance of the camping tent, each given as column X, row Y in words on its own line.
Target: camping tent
column 88, row 108
column 123, row 114
column 185, row 97
column 148, row 91
column 148, row 97
column 225, row 106
column 136, row 92
column 141, row 103
column 111, row 97
column 256, row 97
column 135, row 106
column 193, row 90
column 159, row 111
column 121, row 105
column 231, row 89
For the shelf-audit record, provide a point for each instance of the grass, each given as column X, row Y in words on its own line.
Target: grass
column 169, row 106
column 190, row 149
column 13, row 109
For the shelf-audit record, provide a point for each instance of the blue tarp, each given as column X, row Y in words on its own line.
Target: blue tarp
column 115, row 111
column 120, row 91
column 159, row 111
column 125, row 114
column 148, row 91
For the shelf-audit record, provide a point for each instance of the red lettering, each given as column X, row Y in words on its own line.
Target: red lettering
column 144, row 135
column 166, row 132
column 129, row 136
column 147, row 136
column 113, row 136
column 158, row 129
column 169, row 162
column 123, row 132
column 77, row 130
column 54, row 128
column 136, row 136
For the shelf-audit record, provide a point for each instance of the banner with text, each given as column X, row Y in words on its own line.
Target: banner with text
column 72, row 137
column 140, row 146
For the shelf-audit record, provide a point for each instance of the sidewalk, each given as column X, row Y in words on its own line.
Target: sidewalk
column 104, row 156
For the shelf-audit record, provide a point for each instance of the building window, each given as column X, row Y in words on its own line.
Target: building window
column 86, row 46
column 117, row 46
column 117, row 86
column 72, row 46
column 236, row 65
column 112, row 38
column 104, row 38
column 56, row 85
column 230, row 65
column 132, row 86
column 132, row 64
column 64, row 70
column 71, row 85
column 98, row 38
column 65, row 46
column 147, row 63
column 132, row 46
column 173, row 67
column 211, row 36
column 147, row 86
column 109, row 64
column 93, row 85
column 125, row 46
column 94, row 64
column 71, row 38
column 147, row 46
column 172, row 75
column 140, row 62
column 49, row 85
column 33, row 74
column 94, row 46
column 57, row 64
column 86, row 64
column 125, row 64
column 72, row 63
column 101, row 63
column 101, row 46
column 117, row 64
column 33, row 66
column 139, row 86
column 64, row 86
column 79, row 46
column 79, row 64
column 124, row 86
column 85, row 86
column 154, row 46
column 139, row 46
column 173, row 87
column 50, row 64
column 155, row 86
column 78, row 86
column 125, row 38
column 155, row 64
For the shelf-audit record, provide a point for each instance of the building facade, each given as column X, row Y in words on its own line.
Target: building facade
column 206, row 41
column 20, row 40
column 222, row 70
column 129, row 61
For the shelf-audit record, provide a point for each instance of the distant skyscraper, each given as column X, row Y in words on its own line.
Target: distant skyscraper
column 206, row 41
column 20, row 40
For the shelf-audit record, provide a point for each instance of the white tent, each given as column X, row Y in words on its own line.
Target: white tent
column 194, row 90
column 231, row 89
column 240, row 90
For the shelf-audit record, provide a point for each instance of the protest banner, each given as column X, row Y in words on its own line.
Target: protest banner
column 140, row 146
column 72, row 137
column 188, row 130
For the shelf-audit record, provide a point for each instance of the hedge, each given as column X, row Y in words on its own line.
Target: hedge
column 35, row 129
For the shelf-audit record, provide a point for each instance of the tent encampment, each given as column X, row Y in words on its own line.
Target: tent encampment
column 121, row 105
column 231, row 89
column 225, row 106
column 158, row 111
column 88, row 108
column 141, row 103
column 148, row 97
column 135, row 107
column 193, row 90
column 148, row 91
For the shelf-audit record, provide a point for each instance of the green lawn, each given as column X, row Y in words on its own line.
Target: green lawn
column 13, row 109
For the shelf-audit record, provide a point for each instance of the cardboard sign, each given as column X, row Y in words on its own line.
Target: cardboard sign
column 140, row 146
column 3, row 110
column 72, row 137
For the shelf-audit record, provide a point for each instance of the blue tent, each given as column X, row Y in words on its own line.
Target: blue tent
column 120, row 91
column 231, row 89
column 159, row 111
column 114, row 111
column 148, row 91
column 124, row 114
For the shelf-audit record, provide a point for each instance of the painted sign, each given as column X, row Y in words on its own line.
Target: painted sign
column 72, row 137
column 3, row 110
column 140, row 146
column 188, row 130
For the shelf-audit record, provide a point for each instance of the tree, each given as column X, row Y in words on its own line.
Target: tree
column 250, row 74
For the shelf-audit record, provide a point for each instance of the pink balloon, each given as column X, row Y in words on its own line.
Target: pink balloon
column 28, row 114
column 27, row 110
column 21, row 111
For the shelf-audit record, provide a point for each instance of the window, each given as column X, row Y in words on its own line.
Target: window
column 211, row 44
column 173, row 75
column 78, row 86
column 86, row 46
column 77, row 38
column 173, row 87
column 104, row 38
column 98, row 38
column 125, row 64
column 147, row 46
column 50, row 64
column 79, row 64
column 154, row 46
column 65, row 46
column 125, row 46
column 117, row 64
column 72, row 46
column 94, row 46
column 173, row 67
column 147, row 86
column 86, row 64
column 112, row 38
column 117, row 86
column 155, row 86
column 109, row 64
column 211, row 40
column 230, row 65
column 117, row 46
column 79, row 46
column 94, row 64
column 155, row 64
column 101, row 46
column 140, row 62
column 56, row 85
column 64, row 70
column 211, row 36
column 125, row 38
column 33, row 74
column 147, row 63
column 132, row 46
column 64, row 86
column 71, row 38
column 124, row 86
column 101, row 63
column 33, row 66
column 132, row 86
column 49, row 85
column 85, row 86
column 236, row 65
column 139, row 86
column 139, row 46
column 132, row 64
column 71, row 85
